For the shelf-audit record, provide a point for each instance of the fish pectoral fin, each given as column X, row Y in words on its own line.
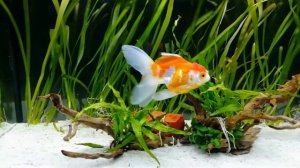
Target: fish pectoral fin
column 164, row 94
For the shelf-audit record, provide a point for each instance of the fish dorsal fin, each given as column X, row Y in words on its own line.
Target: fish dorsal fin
column 169, row 54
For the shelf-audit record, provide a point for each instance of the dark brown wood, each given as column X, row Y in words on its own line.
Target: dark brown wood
column 93, row 155
column 104, row 124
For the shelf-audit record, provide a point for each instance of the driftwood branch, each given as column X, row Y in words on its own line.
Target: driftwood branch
column 249, row 112
column 104, row 124
column 152, row 144
column 72, row 131
column 201, row 113
column 98, row 123
column 93, row 156
column 253, row 109
column 257, row 103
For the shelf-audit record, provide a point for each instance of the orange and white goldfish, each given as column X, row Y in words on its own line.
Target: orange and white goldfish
column 179, row 75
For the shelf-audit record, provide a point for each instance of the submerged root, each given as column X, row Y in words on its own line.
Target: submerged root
column 244, row 145
column 290, row 122
column 94, row 155
column 257, row 103
column 226, row 133
column 72, row 131
column 152, row 144
column 253, row 109
column 104, row 124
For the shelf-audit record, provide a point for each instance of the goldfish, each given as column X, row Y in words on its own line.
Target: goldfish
column 179, row 75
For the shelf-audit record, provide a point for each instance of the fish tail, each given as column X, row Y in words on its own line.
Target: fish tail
column 138, row 59
column 143, row 92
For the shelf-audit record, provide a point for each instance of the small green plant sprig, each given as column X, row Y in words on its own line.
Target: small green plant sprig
column 219, row 101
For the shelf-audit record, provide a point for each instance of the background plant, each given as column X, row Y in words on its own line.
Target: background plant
column 2, row 110
column 251, row 47
column 241, row 55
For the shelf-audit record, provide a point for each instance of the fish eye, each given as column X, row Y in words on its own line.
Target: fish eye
column 202, row 75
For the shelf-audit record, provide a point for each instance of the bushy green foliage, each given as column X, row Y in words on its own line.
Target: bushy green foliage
column 208, row 138
column 219, row 101
column 204, row 136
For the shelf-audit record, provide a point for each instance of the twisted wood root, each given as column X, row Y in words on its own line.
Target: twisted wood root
column 253, row 109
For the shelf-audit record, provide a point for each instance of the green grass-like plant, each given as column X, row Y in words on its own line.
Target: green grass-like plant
column 2, row 110
column 233, row 44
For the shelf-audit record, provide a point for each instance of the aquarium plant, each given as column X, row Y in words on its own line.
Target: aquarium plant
column 233, row 44
column 2, row 110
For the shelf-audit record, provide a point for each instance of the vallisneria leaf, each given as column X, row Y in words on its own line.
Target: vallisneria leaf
column 117, row 95
column 137, row 129
column 230, row 108
column 246, row 94
column 163, row 128
column 148, row 133
column 50, row 114
column 102, row 104
column 96, row 106
column 57, row 129
column 128, row 139
column 92, row 145
column 77, row 81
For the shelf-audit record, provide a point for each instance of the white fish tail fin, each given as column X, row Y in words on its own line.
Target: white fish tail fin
column 164, row 94
column 138, row 59
column 143, row 92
